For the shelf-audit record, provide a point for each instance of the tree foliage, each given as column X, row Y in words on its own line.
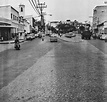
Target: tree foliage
column 64, row 27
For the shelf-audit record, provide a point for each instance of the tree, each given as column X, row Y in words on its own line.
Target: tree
column 65, row 27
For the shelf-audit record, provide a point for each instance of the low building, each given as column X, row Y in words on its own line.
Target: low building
column 99, row 17
column 32, row 22
column 9, row 22
column 13, row 22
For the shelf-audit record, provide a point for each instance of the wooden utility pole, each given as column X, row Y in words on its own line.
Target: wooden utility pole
column 42, row 6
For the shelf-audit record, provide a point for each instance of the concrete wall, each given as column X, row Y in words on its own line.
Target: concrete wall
column 5, row 12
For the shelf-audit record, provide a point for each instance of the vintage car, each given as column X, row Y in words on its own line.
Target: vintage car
column 30, row 36
column 53, row 38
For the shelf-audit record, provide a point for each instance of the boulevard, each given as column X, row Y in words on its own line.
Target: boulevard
column 63, row 71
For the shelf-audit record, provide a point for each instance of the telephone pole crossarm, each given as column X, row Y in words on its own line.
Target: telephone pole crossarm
column 41, row 6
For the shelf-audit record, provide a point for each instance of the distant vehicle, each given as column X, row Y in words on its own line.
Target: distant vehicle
column 53, row 38
column 40, row 35
column 86, row 35
column 98, row 36
column 103, row 36
column 70, row 35
column 36, row 35
column 47, row 34
column 94, row 36
column 30, row 36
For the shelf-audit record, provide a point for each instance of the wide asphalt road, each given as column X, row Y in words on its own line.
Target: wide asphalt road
column 14, row 62
column 57, row 72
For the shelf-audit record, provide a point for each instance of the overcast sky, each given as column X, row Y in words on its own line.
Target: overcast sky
column 61, row 9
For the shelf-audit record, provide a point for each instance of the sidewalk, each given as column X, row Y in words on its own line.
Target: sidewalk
column 73, row 39
column 10, row 41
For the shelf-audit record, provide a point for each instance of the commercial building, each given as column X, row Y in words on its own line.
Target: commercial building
column 32, row 22
column 99, row 19
column 13, row 21
column 9, row 22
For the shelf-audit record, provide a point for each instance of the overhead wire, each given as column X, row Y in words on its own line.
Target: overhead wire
column 34, row 2
column 34, row 7
column 37, row 6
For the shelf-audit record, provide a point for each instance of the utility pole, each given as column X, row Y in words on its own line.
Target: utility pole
column 42, row 6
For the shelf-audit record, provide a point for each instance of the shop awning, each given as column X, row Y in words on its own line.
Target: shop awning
column 5, row 21
column 7, row 26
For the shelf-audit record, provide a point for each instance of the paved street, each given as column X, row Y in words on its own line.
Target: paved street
column 54, row 72
column 13, row 62
column 100, row 44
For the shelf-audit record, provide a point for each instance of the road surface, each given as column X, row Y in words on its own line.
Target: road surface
column 54, row 72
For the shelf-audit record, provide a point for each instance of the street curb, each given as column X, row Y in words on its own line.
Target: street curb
column 10, row 42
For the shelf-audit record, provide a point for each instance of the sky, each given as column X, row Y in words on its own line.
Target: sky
column 62, row 10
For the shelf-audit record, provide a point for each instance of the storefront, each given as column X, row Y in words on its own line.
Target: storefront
column 5, row 33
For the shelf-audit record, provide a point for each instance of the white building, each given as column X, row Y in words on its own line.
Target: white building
column 99, row 18
column 32, row 22
column 27, row 26
column 9, row 22
column 13, row 21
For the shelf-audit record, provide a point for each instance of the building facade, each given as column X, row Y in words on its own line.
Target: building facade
column 13, row 22
column 9, row 22
column 32, row 22
column 99, row 18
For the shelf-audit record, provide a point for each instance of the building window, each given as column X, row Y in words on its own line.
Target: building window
column 95, row 11
column 21, row 9
column 11, row 16
column 17, row 18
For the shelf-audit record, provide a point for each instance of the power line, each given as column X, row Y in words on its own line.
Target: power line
column 34, row 7
column 41, row 6
column 37, row 6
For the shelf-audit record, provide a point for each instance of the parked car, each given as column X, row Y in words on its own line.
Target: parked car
column 48, row 34
column 98, row 36
column 53, row 38
column 36, row 35
column 30, row 37
column 103, row 36
column 94, row 36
